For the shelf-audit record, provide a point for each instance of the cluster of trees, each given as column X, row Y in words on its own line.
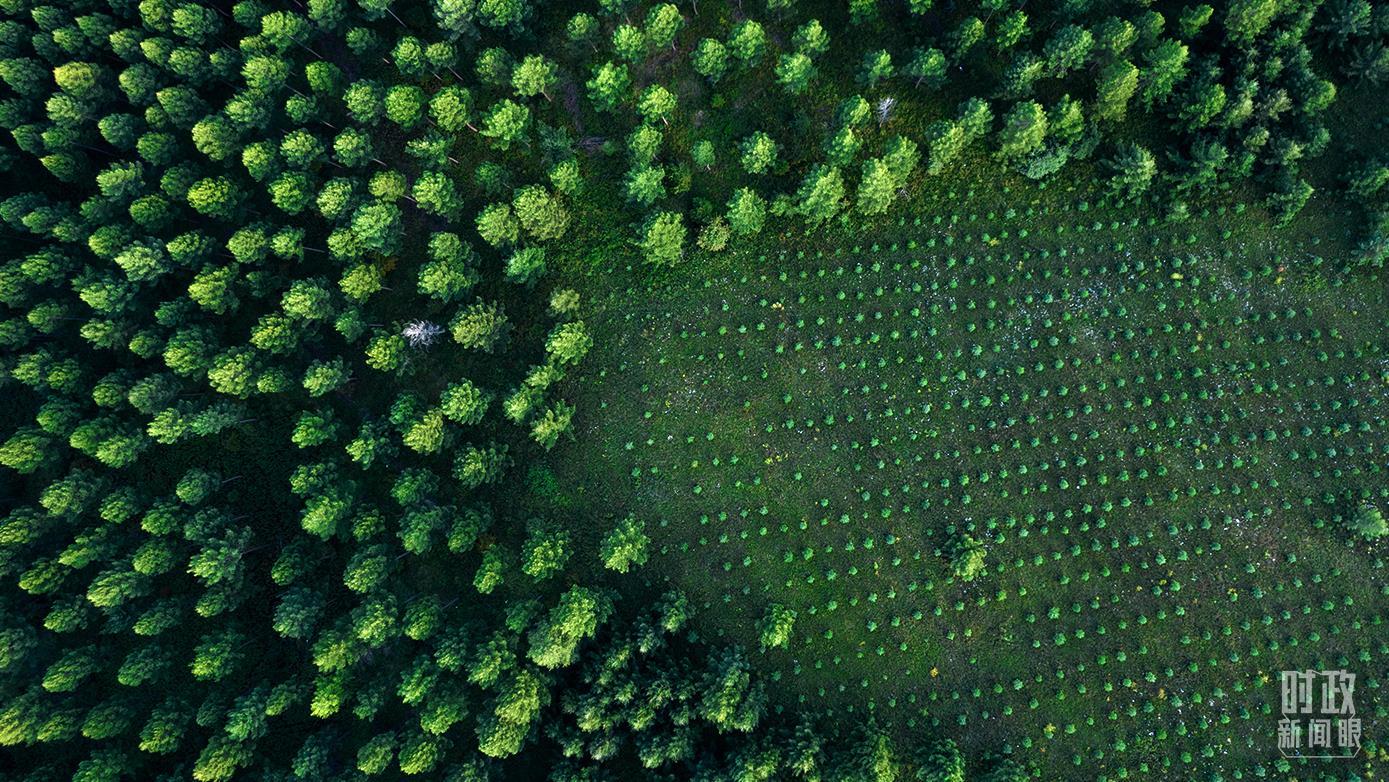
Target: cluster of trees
column 1235, row 93
column 267, row 395
column 1368, row 186
column 279, row 353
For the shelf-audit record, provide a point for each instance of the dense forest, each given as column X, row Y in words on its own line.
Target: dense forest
column 769, row 389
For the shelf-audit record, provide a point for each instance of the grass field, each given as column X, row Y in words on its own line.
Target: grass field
column 1155, row 430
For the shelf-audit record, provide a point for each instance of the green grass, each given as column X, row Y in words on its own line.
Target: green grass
column 1109, row 402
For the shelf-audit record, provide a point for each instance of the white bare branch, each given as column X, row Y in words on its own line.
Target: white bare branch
column 421, row 333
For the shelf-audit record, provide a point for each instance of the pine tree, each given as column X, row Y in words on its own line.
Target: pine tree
column 625, row 545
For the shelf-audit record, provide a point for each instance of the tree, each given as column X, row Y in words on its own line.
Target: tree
column 1364, row 182
column 842, row 147
column 759, row 153
column 307, row 299
column 491, row 572
column 451, row 108
column 821, row 194
column 1202, row 104
column 480, row 326
column 876, row 66
column 536, row 75
column 794, row 72
column 435, row 193
column 292, row 192
column 702, row 153
column 714, row 236
column 644, row 144
column 1025, row 69
column 541, row 214
column 234, row 372
column 568, row 342
column 876, row 188
column 811, row 39
column 565, row 177
column 747, row 211
column 323, row 377
column 1369, row 523
column 609, row 86
column 1165, row 67
column 1024, row 129
column 902, row 155
column 967, row 558
column 425, row 433
column 927, row 66
column 375, row 756
column 582, row 29
column 142, row 262
column 728, row 698
column 625, row 545
column 941, row 762
column 852, row 112
column 710, row 59
column 663, row 238
column 405, row 105
column 494, row 66
column 1068, row 49
column 1245, row 20
column 629, row 43
column 215, row 197
column 1114, row 36
column 747, row 41
column 474, row 467
column 506, row 123
column 499, row 14
column 1118, row 82
column 663, row 23
column 378, row 226
column 945, row 140
column 656, row 102
column 221, row 758
column 555, row 640
column 359, row 282
column 421, row 752
column 553, row 422
column 525, row 265
column 385, row 352
column 450, row 271
column 976, row 118
column 964, row 37
column 564, row 302
column 25, row 451
column 1288, row 197
column 1010, row 30
column 1133, row 169
column 216, row 137
column 464, row 403
column 499, row 738
column 776, row 626
column 1369, row 63
column 497, row 225
column 1192, row 19
column 546, row 550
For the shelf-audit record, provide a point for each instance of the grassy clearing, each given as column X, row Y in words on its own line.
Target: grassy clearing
column 1154, row 429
